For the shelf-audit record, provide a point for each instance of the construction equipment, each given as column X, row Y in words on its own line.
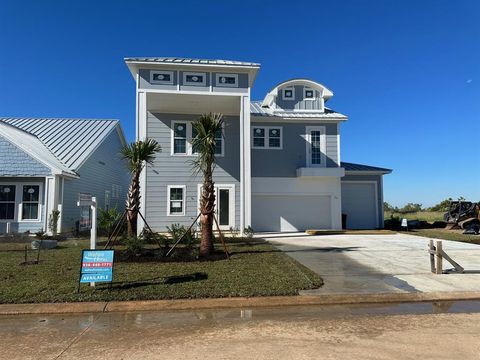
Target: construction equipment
column 462, row 215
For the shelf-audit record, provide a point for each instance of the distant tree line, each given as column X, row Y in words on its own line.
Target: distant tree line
column 442, row 206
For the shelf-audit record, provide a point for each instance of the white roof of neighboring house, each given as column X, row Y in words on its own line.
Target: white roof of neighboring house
column 61, row 143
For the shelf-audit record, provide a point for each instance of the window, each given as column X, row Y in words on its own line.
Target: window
column 267, row 137
column 288, row 93
column 308, row 94
column 226, row 80
column 194, row 79
column 161, row 77
column 183, row 134
column 316, row 146
column 7, row 202
column 180, row 138
column 30, row 202
column 116, row 190
column 176, row 200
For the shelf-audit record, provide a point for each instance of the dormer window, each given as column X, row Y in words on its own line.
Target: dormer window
column 161, row 77
column 226, row 80
column 308, row 94
column 288, row 93
column 194, row 79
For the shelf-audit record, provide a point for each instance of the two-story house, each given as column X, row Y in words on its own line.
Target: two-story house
column 279, row 165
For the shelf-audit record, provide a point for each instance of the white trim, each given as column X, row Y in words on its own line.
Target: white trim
column 231, row 204
column 161, row 72
column 198, row 74
column 323, row 145
column 184, row 199
column 305, row 89
column 267, row 137
column 188, row 139
column 339, row 161
column 219, row 84
column 291, row 88
column 247, row 180
column 304, row 120
column 377, row 220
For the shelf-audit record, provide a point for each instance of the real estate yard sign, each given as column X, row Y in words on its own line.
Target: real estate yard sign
column 97, row 266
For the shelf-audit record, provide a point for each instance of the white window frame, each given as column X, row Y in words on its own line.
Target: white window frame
column 15, row 210
column 161, row 82
column 219, row 84
column 323, row 145
column 187, row 73
column 267, row 137
column 231, row 204
column 184, row 199
column 292, row 88
column 305, row 89
column 189, row 138
column 20, row 204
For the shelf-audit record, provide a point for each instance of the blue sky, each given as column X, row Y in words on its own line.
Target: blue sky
column 407, row 73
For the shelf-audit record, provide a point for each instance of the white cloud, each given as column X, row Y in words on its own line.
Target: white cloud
column 469, row 81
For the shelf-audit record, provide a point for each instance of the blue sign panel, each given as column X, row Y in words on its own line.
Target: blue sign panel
column 97, row 266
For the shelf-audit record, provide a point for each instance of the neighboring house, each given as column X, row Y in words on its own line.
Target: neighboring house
column 46, row 163
column 279, row 165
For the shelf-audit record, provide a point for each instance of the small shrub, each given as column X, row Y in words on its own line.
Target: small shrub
column 248, row 232
column 176, row 231
column 234, row 232
column 107, row 220
column 393, row 223
column 53, row 221
column 134, row 245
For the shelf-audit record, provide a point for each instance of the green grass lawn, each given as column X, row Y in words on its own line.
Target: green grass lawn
column 256, row 269
column 429, row 216
column 455, row 235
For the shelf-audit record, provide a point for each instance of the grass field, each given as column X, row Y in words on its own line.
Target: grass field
column 455, row 235
column 256, row 269
column 429, row 216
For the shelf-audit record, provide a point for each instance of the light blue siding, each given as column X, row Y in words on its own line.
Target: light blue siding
column 284, row 163
column 16, row 162
column 177, row 170
column 299, row 103
column 17, row 225
column 103, row 169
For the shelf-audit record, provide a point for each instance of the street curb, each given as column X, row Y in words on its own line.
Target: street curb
column 238, row 302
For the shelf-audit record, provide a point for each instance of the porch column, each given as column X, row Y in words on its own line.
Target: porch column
column 245, row 167
column 52, row 195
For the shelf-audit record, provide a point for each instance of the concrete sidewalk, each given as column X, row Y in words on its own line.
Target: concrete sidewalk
column 369, row 264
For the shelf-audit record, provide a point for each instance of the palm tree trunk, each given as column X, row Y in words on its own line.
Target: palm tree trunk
column 133, row 201
column 207, row 207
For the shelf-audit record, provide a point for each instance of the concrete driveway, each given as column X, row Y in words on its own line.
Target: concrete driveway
column 379, row 263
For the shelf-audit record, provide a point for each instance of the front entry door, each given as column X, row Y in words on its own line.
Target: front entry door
column 224, row 205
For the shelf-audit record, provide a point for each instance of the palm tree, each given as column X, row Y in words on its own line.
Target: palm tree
column 137, row 154
column 204, row 143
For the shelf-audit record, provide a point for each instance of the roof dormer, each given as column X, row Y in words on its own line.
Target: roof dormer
column 298, row 95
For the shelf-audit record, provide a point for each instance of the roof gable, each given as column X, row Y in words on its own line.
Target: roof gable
column 71, row 141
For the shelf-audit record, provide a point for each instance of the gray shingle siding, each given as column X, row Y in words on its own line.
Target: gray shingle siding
column 176, row 170
column 103, row 169
column 16, row 162
column 284, row 163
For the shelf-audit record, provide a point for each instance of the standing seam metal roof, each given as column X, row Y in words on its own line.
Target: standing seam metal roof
column 176, row 60
column 257, row 109
column 70, row 140
column 360, row 167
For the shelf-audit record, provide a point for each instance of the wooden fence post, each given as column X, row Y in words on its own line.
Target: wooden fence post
column 439, row 252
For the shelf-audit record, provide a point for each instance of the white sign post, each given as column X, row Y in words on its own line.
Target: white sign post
column 89, row 200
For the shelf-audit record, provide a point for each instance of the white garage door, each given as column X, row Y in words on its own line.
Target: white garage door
column 290, row 212
column 360, row 204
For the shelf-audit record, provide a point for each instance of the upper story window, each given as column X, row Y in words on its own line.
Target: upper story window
column 161, row 77
column 308, row 94
column 7, row 202
column 31, row 202
column 226, row 80
column 316, row 146
column 288, row 93
column 182, row 135
column 194, row 79
column 267, row 137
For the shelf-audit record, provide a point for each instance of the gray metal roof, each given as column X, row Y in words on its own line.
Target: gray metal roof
column 256, row 109
column 71, row 141
column 363, row 168
column 176, row 60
